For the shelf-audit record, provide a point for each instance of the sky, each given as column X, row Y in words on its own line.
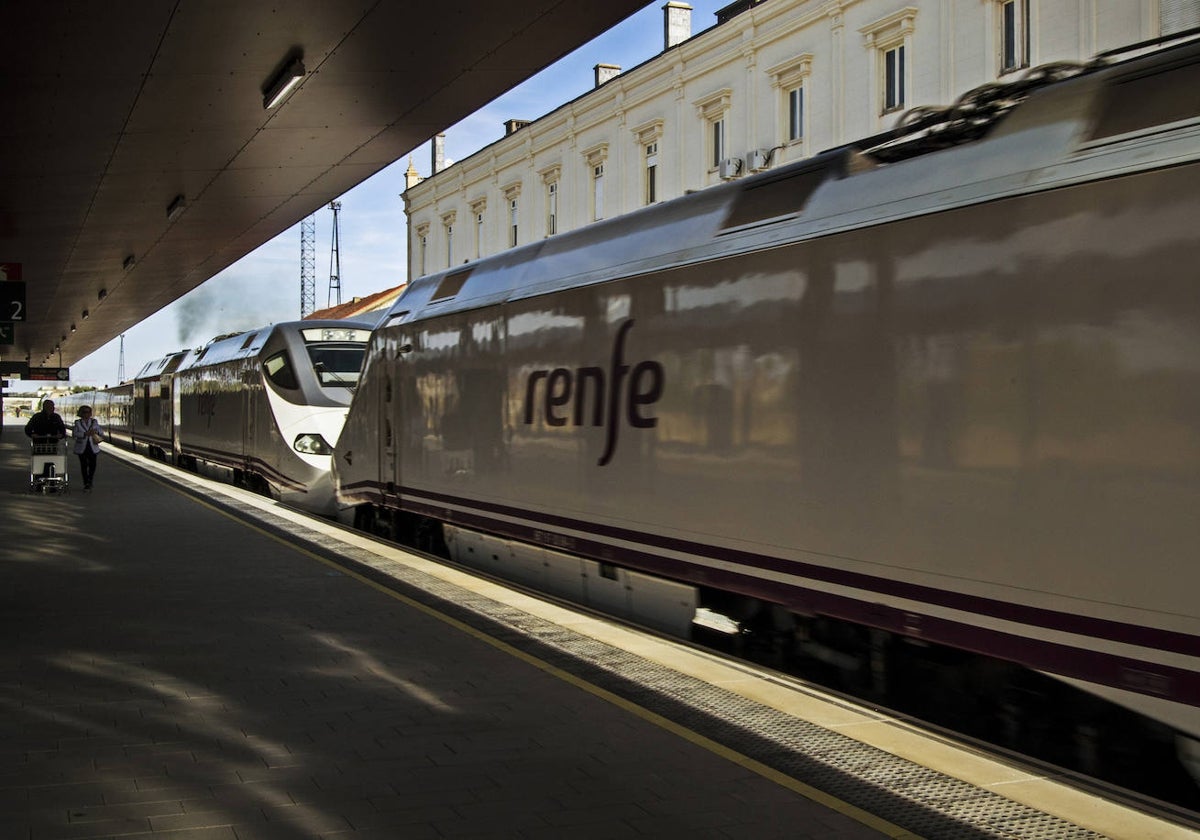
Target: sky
column 264, row 286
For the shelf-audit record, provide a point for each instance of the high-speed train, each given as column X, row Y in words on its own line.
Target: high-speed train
column 932, row 398
column 260, row 408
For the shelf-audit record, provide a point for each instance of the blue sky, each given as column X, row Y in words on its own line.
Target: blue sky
column 264, row 286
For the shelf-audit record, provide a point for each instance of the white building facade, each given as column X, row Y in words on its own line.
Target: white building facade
column 774, row 81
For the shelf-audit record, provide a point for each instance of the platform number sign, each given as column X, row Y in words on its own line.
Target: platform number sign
column 12, row 301
column 12, row 293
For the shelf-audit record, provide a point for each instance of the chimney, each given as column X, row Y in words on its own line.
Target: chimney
column 411, row 176
column 437, row 148
column 606, row 72
column 513, row 125
column 677, row 23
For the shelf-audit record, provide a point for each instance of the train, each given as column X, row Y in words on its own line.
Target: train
column 260, row 408
column 921, row 409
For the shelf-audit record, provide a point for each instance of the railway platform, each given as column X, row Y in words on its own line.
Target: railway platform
column 182, row 659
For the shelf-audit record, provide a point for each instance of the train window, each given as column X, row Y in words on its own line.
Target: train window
column 337, row 364
column 450, row 286
column 774, row 198
column 394, row 319
column 279, row 371
column 1150, row 100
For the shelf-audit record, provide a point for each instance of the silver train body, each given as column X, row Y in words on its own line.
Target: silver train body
column 151, row 421
column 112, row 407
column 946, row 394
column 261, row 408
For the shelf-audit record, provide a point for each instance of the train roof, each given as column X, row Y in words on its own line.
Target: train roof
column 997, row 140
column 162, row 366
column 225, row 348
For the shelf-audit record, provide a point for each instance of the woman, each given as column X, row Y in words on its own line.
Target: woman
column 87, row 434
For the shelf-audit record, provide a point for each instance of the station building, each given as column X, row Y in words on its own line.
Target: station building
column 773, row 81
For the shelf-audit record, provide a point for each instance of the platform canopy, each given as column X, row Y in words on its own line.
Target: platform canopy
column 139, row 157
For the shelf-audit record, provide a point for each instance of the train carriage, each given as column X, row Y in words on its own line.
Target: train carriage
column 935, row 388
column 111, row 408
column 151, row 415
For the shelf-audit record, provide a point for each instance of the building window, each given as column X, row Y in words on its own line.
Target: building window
column 651, row 173
column 422, row 249
column 718, row 141
column 598, row 192
column 1014, row 35
column 596, row 158
column 448, row 224
column 789, row 78
column 890, row 39
column 647, row 136
column 550, row 178
column 512, row 195
column 713, row 110
column 893, row 78
column 478, row 206
column 795, row 129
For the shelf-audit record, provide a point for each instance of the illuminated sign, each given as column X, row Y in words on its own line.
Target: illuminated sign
column 335, row 334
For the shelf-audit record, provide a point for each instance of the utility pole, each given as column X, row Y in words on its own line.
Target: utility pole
column 308, row 266
column 121, row 361
column 335, row 260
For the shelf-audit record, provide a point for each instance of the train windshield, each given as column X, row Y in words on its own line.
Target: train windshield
column 336, row 354
column 337, row 364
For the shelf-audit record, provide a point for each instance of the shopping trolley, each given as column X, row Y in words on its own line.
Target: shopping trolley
column 48, row 465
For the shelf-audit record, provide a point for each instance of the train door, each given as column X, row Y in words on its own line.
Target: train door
column 390, row 455
column 142, row 420
column 176, row 447
column 391, row 410
column 249, row 421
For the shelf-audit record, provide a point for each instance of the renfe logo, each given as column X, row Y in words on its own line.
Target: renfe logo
column 589, row 386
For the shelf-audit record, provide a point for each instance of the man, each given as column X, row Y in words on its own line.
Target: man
column 46, row 423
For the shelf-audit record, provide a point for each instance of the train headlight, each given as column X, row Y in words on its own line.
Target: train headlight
column 312, row 445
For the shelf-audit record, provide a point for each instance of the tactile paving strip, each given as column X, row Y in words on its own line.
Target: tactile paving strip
column 923, row 801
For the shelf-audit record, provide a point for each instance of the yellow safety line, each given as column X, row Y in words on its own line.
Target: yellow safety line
column 781, row 779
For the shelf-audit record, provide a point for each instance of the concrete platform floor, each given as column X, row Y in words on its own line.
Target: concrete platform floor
column 182, row 659
column 169, row 671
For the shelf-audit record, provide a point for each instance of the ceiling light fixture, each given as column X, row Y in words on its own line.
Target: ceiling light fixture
column 176, row 207
column 72, row 328
column 282, row 84
column 103, row 293
column 129, row 262
column 85, row 314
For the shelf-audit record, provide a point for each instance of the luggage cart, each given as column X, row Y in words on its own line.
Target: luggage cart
column 48, row 465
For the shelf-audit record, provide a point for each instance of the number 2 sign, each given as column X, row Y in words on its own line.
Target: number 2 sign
column 12, row 292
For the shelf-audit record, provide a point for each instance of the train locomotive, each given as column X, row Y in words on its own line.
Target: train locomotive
column 263, row 408
column 260, row 408
column 934, row 391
